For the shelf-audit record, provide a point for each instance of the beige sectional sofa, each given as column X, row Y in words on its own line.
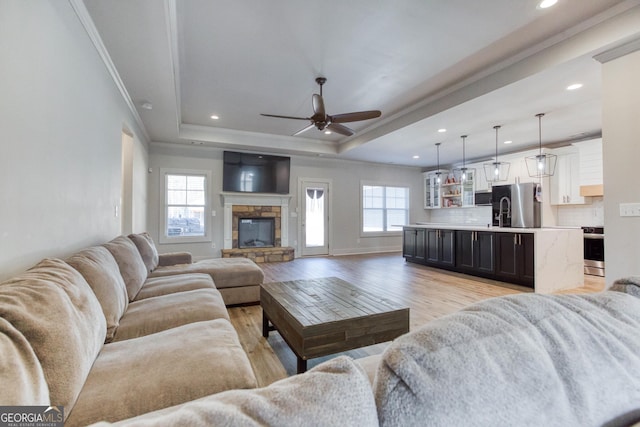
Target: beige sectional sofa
column 96, row 334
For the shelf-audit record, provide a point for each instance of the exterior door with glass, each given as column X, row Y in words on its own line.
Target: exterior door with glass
column 315, row 218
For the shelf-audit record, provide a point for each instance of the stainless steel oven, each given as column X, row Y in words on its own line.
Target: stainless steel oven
column 594, row 250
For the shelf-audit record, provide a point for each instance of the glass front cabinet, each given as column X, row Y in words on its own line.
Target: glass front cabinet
column 452, row 191
column 433, row 188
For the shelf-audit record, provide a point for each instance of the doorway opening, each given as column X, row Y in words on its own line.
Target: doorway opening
column 315, row 218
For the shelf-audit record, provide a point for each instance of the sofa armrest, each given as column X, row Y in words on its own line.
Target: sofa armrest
column 174, row 258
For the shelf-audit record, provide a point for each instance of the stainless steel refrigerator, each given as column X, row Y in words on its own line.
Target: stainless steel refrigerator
column 516, row 205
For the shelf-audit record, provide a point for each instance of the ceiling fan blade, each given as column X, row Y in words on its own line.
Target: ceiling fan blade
column 342, row 130
column 285, row 117
column 311, row 126
column 318, row 105
column 355, row 117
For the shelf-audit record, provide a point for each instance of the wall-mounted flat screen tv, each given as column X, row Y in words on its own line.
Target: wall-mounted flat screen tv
column 255, row 173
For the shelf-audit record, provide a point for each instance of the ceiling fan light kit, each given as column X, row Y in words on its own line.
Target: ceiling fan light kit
column 321, row 120
column 496, row 171
column 541, row 165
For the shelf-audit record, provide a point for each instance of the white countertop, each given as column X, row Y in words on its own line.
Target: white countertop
column 443, row 226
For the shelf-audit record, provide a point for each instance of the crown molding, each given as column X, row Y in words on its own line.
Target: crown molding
column 85, row 19
column 171, row 21
column 224, row 136
column 618, row 51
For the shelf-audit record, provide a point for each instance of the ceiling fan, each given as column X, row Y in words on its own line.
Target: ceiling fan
column 322, row 120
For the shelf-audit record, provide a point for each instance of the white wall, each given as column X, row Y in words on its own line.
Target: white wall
column 621, row 152
column 61, row 121
column 345, row 175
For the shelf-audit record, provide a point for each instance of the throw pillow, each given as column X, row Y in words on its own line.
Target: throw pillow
column 132, row 268
column 147, row 249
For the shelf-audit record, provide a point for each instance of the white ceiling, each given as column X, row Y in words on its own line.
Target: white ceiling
column 463, row 65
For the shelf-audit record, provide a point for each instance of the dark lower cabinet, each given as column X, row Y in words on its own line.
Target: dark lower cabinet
column 441, row 248
column 414, row 244
column 504, row 256
column 515, row 258
column 474, row 252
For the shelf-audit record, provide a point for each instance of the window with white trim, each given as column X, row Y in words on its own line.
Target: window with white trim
column 384, row 208
column 186, row 202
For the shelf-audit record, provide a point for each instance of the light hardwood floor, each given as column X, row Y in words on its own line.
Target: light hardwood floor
column 429, row 293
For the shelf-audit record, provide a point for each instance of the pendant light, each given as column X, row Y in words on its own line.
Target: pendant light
column 438, row 173
column 496, row 171
column 462, row 173
column 541, row 165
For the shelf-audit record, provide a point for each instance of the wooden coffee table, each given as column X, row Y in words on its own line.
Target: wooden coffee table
column 324, row 316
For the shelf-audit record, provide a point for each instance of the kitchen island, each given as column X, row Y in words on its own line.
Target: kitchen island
column 545, row 259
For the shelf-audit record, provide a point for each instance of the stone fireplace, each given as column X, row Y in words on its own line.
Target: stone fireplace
column 257, row 212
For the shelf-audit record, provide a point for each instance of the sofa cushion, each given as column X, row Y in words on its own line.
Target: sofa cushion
column 21, row 375
column 226, row 272
column 156, row 286
column 160, row 313
column 518, row 360
column 54, row 308
column 147, row 249
column 100, row 270
column 140, row 375
column 132, row 268
column 173, row 258
column 334, row 393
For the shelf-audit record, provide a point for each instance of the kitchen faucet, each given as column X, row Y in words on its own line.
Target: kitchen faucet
column 500, row 220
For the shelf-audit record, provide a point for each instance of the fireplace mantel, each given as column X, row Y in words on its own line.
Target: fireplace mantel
column 254, row 199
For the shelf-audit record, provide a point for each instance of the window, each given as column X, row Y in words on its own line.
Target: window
column 185, row 206
column 384, row 208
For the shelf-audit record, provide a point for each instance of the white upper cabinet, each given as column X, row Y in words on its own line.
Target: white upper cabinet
column 565, row 182
column 591, row 175
column 481, row 181
column 590, row 162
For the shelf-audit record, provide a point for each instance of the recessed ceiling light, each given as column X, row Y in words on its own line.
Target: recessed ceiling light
column 147, row 105
column 327, row 132
column 546, row 3
column 416, row 157
column 215, row 117
column 508, row 142
column 574, row 86
column 442, row 130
